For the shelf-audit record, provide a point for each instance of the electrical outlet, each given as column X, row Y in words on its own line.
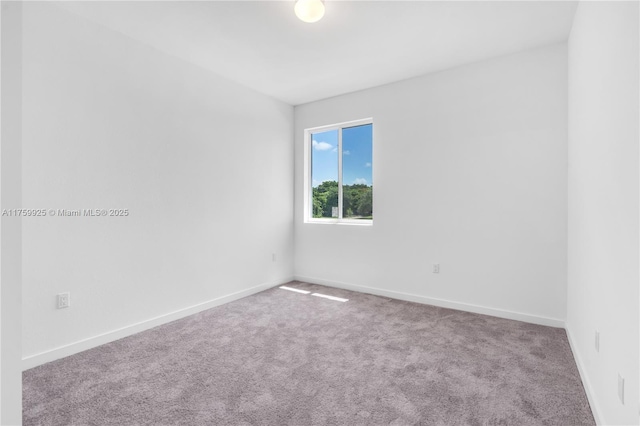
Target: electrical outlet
column 436, row 268
column 597, row 341
column 621, row 388
column 64, row 300
column 273, row 257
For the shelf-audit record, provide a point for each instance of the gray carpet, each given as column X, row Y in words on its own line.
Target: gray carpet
column 284, row 358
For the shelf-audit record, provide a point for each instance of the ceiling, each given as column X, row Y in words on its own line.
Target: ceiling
column 357, row 45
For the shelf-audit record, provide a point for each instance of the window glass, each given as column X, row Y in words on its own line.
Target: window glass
column 357, row 176
column 324, row 174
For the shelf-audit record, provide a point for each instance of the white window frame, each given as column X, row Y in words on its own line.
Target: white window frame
column 308, row 199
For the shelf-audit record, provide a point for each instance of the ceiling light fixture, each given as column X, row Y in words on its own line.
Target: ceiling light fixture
column 309, row 10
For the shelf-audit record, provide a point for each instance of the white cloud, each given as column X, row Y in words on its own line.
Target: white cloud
column 367, row 164
column 360, row 181
column 334, row 150
column 345, row 152
column 321, row 146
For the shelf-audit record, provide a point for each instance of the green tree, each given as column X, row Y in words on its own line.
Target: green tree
column 325, row 197
column 357, row 200
column 365, row 206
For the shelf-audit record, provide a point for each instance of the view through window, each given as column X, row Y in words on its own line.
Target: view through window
column 342, row 171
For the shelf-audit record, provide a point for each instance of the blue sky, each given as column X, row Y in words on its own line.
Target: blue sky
column 356, row 158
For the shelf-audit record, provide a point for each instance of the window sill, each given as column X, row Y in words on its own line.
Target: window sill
column 339, row 222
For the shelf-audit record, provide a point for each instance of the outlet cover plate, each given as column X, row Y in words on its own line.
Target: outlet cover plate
column 64, row 300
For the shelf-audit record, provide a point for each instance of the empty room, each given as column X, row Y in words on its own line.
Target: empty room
column 320, row 213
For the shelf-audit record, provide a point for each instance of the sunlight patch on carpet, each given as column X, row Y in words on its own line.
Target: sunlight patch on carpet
column 337, row 299
column 284, row 287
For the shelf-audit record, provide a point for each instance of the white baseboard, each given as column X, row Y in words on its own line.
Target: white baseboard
column 110, row 336
column 500, row 313
column 585, row 379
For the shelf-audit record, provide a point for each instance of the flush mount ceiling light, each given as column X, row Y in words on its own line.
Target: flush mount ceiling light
column 309, row 10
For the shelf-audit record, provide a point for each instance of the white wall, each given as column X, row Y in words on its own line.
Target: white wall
column 470, row 171
column 203, row 165
column 603, row 204
column 10, row 226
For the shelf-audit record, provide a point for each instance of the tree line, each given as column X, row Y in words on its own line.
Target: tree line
column 357, row 200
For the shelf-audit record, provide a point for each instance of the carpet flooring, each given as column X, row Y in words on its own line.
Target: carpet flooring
column 285, row 358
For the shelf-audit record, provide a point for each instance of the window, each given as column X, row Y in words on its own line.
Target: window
column 339, row 173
